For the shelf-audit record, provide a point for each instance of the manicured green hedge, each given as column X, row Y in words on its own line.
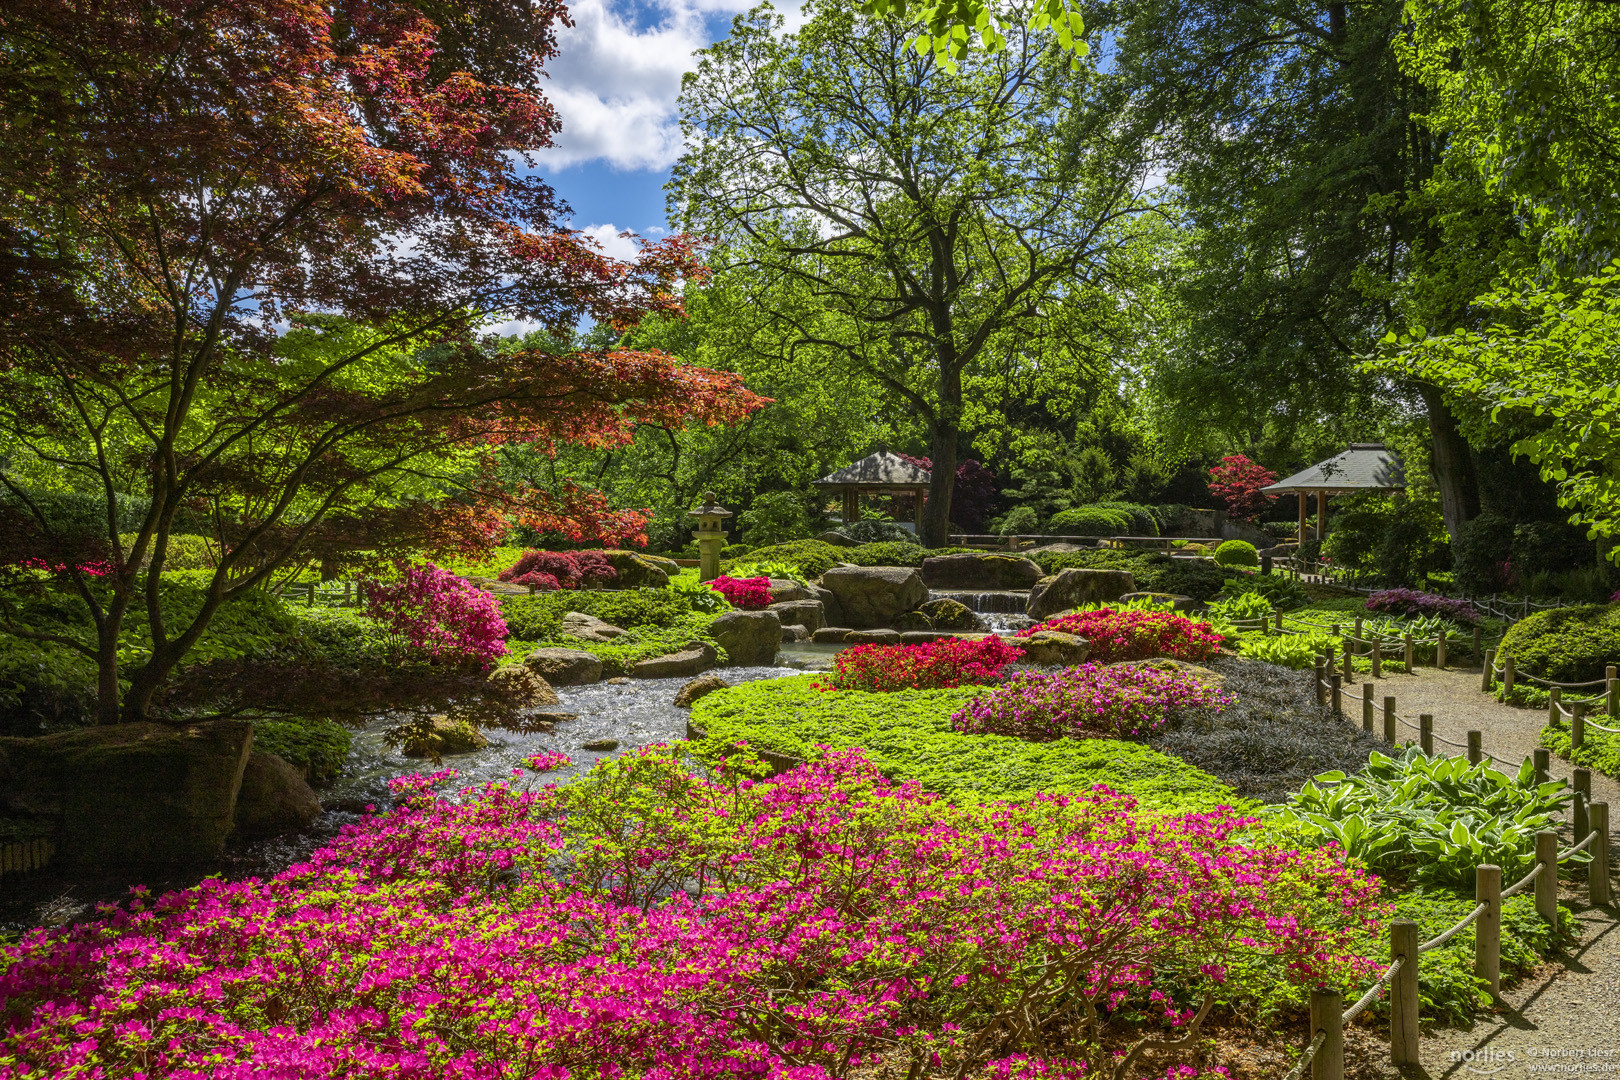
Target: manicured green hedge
column 812, row 557
column 1600, row 750
column 908, row 735
column 1566, row 644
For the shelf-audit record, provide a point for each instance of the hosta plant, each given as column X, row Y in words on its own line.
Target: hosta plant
column 1431, row 818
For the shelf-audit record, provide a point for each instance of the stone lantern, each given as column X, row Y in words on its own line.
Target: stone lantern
column 710, row 536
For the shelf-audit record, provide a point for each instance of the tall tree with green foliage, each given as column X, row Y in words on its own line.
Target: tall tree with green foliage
column 936, row 218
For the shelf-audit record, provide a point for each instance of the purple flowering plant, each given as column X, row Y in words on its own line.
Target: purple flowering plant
column 1413, row 603
column 1117, row 702
column 661, row 921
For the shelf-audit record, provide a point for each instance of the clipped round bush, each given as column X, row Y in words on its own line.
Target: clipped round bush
column 1237, row 553
column 1566, row 644
column 1090, row 521
column 1142, row 518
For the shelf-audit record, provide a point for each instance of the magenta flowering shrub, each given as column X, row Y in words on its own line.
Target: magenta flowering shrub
column 653, row 921
column 750, row 594
column 1124, row 702
column 434, row 614
column 548, row 761
column 1411, row 602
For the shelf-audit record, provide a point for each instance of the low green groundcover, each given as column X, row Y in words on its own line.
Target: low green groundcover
column 1600, row 750
column 908, row 735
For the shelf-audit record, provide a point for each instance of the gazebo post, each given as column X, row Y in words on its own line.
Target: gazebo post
column 1301, row 533
column 919, row 493
column 852, row 505
column 1321, row 515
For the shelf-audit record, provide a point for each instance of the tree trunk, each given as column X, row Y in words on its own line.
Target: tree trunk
column 107, row 671
column 941, row 484
column 1451, row 462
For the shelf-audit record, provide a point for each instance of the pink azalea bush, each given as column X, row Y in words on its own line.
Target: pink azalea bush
column 750, row 594
column 1135, row 635
column 931, row 666
column 663, row 922
column 548, row 570
column 547, row 761
column 1411, row 602
column 1082, row 702
column 438, row 616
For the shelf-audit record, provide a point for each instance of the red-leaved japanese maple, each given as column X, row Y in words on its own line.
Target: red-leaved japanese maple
column 246, row 250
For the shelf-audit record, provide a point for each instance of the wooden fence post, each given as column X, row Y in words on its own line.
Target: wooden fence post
column 1349, row 670
column 1378, row 660
column 1426, row 732
column 1358, row 628
column 1543, row 759
column 1547, row 880
column 1317, row 677
column 1597, row 874
column 1411, row 654
column 1488, row 928
column 1488, row 678
column 1336, row 693
column 1555, row 702
column 1479, row 639
column 1612, row 690
column 1279, row 620
column 1403, row 993
column 1440, row 650
column 1583, row 796
column 1389, row 720
column 1507, row 676
column 1476, row 749
column 1366, row 709
column 1577, row 727
column 1327, row 1017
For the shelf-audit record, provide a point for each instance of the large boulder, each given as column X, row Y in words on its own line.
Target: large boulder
column 793, row 633
column 948, row 614
column 638, row 571
column 697, row 657
column 274, row 798
column 522, row 686
column 788, row 589
column 831, row 612
column 806, row 613
column 700, row 687
column 129, row 796
column 443, row 735
column 564, row 667
column 589, row 627
column 1054, row 647
column 912, row 621
column 871, row 596
column 979, row 570
column 750, row 638
column 1074, row 587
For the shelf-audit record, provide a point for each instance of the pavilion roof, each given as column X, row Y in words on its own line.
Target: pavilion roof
column 1363, row 467
column 880, row 470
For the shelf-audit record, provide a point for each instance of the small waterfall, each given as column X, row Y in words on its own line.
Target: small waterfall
column 994, row 602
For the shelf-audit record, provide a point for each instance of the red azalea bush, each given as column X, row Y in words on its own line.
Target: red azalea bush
column 1135, row 635
column 932, row 666
column 436, row 615
column 551, row 934
column 561, row 570
column 1238, row 481
column 1085, row 702
column 750, row 594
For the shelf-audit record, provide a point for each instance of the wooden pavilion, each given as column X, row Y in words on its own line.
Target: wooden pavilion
column 876, row 474
column 1363, row 467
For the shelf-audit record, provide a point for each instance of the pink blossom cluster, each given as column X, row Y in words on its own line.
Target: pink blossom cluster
column 1414, row 603
column 658, row 921
column 930, row 666
column 98, row 568
column 1120, row 702
column 549, row 570
column 547, row 761
column 1116, row 635
column 437, row 615
column 750, row 594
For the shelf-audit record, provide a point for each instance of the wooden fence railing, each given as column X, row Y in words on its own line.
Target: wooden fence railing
column 25, row 855
column 1493, row 606
column 1323, row 1056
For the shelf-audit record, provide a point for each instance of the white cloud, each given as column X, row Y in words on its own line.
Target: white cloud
column 612, row 244
column 615, row 80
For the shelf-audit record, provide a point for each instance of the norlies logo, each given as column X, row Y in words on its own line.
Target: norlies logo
column 1483, row 1062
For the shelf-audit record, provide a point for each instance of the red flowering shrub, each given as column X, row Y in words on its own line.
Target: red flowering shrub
column 750, row 594
column 561, row 570
column 933, row 666
column 435, row 614
column 546, row 934
column 1136, row 635
column 1084, row 702
column 1238, row 481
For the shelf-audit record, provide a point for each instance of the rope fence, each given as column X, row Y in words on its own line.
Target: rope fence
column 1323, row 1058
column 1494, row 606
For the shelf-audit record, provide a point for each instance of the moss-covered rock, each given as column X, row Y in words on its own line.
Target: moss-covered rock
column 948, row 614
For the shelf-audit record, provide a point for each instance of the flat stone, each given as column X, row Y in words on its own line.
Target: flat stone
column 987, row 571
column 589, row 627
column 750, row 638
column 700, row 687
column 1165, row 663
column 600, row 745
column 873, row 637
column 786, row 589
column 564, row 667
column 617, row 680
column 830, row 635
column 696, row 658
